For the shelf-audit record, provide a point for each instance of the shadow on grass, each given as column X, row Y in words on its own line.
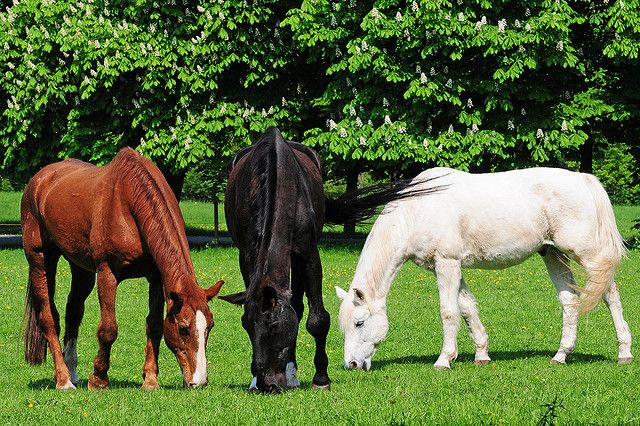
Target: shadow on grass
column 43, row 384
column 244, row 387
column 575, row 358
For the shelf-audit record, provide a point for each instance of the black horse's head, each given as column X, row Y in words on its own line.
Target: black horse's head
column 272, row 325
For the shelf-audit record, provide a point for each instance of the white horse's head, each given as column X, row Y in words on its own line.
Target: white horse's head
column 363, row 321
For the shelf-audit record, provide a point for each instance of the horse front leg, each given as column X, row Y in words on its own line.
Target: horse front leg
column 318, row 321
column 82, row 283
column 469, row 310
column 107, row 328
column 298, row 284
column 154, row 335
column 612, row 299
column 448, row 275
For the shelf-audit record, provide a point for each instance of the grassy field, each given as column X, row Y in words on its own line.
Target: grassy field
column 518, row 306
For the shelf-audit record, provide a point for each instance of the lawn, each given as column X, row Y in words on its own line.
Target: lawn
column 518, row 306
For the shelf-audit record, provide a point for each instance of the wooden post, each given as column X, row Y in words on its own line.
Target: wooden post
column 215, row 221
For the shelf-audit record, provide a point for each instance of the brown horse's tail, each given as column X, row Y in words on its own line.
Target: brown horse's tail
column 361, row 204
column 35, row 342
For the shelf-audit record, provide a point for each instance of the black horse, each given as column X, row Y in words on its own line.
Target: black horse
column 275, row 209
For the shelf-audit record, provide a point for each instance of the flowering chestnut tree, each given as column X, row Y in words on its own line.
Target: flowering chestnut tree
column 470, row 83
column 182, row 81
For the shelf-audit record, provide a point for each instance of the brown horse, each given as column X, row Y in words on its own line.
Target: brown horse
column 118, row 221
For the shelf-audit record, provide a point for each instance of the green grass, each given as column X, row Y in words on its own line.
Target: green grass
column 517, row 305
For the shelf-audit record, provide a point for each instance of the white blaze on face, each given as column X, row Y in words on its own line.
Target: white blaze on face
column 200, row 375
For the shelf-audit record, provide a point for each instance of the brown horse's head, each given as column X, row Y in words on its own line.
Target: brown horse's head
column 186, row 329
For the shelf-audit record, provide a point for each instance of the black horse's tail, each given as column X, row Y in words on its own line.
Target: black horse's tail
column 35, row 342
column 361, row 204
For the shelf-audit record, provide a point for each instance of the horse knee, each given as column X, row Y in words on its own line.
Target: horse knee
column 318, row 323
column 107, row 333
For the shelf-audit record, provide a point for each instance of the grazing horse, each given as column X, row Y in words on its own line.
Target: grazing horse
column 275, row 209
column 488, row 221
column 118, row 221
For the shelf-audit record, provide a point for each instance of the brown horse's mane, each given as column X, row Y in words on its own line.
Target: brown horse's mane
column 159, row 220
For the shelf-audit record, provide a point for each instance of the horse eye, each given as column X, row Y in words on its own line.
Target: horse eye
column 183, row 330
column 359, row 324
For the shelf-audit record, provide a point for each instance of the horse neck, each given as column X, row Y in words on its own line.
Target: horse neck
column 162, row 229
column 382, row 256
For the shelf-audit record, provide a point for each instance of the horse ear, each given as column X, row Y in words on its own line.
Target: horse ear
column 213, row 291
column 236, row 299
column 174, row 304
column 359, row 296
column 340, row 293
column 269, row 298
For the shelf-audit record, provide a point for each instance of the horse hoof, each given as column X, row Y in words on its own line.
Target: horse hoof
column 480, row 362
column 150, row 386
column 67, row 386
column 441, row 367
column 626, row 360
column 94, row 383
column 321, row 387
column 556, row 362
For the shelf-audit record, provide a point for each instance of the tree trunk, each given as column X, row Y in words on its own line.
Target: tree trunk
column 352, row 185
column 175, row 181
column 586, row 157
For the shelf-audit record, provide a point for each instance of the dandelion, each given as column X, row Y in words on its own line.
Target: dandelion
column 502, row 25
column 343, row 132
column 387, row 120
column 399, row 17
column 564, row 126
column 539, row 134
column 423, row 78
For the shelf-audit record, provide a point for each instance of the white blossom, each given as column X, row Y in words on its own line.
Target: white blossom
column 284, row 101
column 358, row 122
column 517, row 24
column 414, row 7
column 343, row 132
column 425, row 142
column 527, row 27
column 332, row 125
column 523, row 111
column 352, row 111
column 469, row 103
column 363, row 141
column 450, row 129
column 539, row 134
column 374, row 13
column 418, row 69
column 560, row 46
column 510, row 125
column 402, row 130
column 187, row 142
column 334, row 21
column 387, row 119
column 564, row 126
column 461, row 17
column 423, row 78
column 449, row 83
column 474, row 128
column 432, row 71
column 399, row 17
column 365, row 46
column 385, row 102
column 527, row 12
column 502, row 25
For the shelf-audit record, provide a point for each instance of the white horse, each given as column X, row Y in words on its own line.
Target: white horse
column 488, row 221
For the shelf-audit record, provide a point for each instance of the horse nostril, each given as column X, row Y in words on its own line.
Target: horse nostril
column 353, row 364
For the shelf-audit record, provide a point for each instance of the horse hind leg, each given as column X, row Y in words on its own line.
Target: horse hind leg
column 42, row 272
column 469, row 311
column 298, row 284
column 612, row 300
column 449, row 277
column 558, row 267
column 82, row 283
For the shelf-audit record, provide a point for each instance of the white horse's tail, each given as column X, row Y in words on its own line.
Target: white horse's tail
column 602, row 267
